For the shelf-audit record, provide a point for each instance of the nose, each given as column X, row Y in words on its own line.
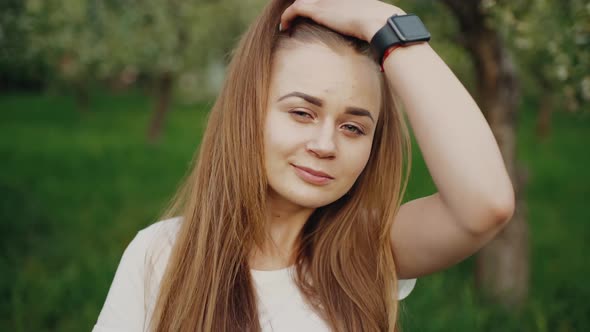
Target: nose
column 323, row 144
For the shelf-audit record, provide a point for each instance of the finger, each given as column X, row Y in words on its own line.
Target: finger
column 298, row 8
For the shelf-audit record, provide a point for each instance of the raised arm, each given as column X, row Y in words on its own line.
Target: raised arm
column 475, row 197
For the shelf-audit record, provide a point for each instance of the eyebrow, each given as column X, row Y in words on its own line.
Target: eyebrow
column 318, row 102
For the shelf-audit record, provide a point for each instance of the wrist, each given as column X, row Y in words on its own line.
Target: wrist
column 386, row 54
column 400, row 30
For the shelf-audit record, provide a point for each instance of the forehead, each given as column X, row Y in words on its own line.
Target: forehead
column 341, row 78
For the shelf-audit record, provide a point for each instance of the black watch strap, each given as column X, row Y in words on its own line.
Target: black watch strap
column 384, row 39
column 399, row 30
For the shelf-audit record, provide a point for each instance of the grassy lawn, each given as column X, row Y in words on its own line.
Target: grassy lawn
column 75, row 188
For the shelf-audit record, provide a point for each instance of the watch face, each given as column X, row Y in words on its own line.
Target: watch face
column 409, row 28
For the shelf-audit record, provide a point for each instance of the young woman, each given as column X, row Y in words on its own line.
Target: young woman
column 292, row 218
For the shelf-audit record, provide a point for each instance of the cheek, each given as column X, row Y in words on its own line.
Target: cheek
column 358, row 163
column 355, row 160
column 279, row 138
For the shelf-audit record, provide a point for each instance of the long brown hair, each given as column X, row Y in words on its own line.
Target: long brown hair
column 344, row 262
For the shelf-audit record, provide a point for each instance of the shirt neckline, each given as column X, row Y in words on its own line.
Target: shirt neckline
column 268, row 275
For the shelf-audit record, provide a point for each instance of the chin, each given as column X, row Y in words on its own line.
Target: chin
column 312, row 203
column 310, row 198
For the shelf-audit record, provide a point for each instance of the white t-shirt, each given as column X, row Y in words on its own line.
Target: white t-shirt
column 132, row 296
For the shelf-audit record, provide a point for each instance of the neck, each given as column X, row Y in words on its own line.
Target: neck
column 284, row 222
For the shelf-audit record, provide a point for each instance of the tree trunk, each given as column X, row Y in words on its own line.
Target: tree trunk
column 163, row 91
column 502, row 268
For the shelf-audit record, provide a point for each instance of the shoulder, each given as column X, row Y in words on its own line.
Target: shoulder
column 153, row 239
column 144, row 260
column 162, row 230
column 154, row 244
column 134, row 288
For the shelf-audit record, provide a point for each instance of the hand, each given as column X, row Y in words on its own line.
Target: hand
column 357, row 18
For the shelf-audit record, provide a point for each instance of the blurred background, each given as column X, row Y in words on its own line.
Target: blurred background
column 102, row 107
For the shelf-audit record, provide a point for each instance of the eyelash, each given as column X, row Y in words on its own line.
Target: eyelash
column 353, row 129
column 301, row 114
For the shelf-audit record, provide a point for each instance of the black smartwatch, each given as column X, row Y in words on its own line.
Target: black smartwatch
column 399, row 30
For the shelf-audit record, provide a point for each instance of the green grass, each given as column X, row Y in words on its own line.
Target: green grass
column 75, row 188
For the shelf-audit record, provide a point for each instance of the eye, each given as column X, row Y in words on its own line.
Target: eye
column 354, row 129
column 301, row 114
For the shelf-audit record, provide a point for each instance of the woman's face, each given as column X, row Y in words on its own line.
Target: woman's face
column 321, row 118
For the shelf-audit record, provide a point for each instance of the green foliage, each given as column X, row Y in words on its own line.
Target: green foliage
column 443, row 29
column 65, row 35
column 97, row 39
column 16, row 69
column 551, row 40
column 75, row 188
column 92, row 39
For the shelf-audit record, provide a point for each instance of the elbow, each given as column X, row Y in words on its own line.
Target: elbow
column 503, row 213
column 496, row 216
column 505, row 208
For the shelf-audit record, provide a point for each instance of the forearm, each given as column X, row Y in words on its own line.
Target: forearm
column 455, row 140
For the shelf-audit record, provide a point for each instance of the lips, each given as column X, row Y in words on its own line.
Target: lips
column 314, row 172
column 312, row 176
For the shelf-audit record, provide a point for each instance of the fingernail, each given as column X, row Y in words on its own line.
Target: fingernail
column 280, row 27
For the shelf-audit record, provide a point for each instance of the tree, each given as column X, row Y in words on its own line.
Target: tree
column 66, row 35
column 502, row 269
column 17, row 71
column 165, row 40
column 470, row 43
column 162, row 40
column 552, row 42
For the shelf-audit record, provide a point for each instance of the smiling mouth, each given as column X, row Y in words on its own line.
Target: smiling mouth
column 312, row 176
